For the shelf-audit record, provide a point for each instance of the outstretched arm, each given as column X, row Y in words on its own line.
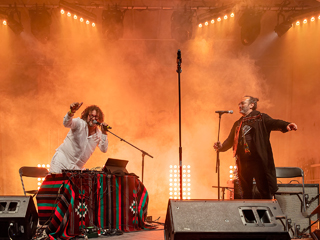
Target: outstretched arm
column 67, row 121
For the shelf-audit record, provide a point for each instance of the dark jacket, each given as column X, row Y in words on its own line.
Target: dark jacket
column 262, row 128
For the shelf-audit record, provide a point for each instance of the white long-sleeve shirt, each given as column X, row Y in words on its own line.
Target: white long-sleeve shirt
column 78, row 146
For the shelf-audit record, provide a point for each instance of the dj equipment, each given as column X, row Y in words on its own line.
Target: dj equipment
column 18, row 217
column 112, row 165
column 213, row 219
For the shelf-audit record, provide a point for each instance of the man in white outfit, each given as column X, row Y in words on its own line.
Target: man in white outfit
column 82, row 139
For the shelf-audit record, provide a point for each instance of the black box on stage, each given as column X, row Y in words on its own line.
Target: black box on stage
column 228, row 219
column 18, row 217
column 291, row 205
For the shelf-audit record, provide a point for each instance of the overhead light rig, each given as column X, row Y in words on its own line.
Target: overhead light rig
column 215, row 15
column 77, row 12
column 12, row 18
column 303, row 16
column 207, row 16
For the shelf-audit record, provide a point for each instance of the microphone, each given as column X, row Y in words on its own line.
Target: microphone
column 98, row 123
column 179, row 54
column 222, row 112
column 179, row 59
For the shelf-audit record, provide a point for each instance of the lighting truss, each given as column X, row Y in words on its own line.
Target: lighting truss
column 211, row 14
column 287, row 22
column 12, row 19
column 78, row 11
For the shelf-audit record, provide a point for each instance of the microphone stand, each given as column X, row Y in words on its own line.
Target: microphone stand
column 218, row 159
column 143, row 152
column 179, row 61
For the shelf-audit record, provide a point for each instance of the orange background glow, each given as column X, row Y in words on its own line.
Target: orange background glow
column 135, row 83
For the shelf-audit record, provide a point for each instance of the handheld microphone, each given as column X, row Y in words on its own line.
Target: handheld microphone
column 222, row 112
column 98, row 123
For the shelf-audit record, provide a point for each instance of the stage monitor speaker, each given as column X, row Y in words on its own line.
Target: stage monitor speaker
column 291, row 205
column 18, row 217
column 228, row 219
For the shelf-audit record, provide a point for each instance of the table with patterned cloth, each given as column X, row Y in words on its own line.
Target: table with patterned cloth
column 72, row 201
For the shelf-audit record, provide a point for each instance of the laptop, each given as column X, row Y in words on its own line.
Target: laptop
column 113, row 164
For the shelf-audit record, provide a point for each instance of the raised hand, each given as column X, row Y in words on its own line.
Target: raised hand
column 75, row 106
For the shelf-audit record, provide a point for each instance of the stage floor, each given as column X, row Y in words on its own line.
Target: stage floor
column 157, row 234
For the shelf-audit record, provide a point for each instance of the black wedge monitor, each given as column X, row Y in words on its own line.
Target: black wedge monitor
column 113, row 164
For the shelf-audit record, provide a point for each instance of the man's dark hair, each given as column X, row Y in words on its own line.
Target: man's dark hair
column 253, row 100
column 85, row 113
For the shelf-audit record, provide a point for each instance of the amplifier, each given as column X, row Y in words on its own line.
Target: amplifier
column 291, row 205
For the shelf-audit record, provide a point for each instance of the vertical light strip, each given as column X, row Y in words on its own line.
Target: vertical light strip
column 174, row 182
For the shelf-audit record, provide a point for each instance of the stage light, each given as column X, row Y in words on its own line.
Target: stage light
column 62, row 11
column 298, row 23
column 225, row 17
column 250, row 26
column 13, row 24
column 186, row 178
column 112, row 24
column 69, row 14
column 200, row 25
column 219, row 19
column 75, row 16
column 232, row 15
column 181, row 25
column 231, row 167
column 319, row 17
column 282, row 28
column 206, row 23
column 4, row 22
column 93, row 24
column 81, row 19
column 305, row 21
column 312, row 19
column 74, row 9
column 230, row 171
column 40, row 21
column 39, row 165
column 87, row 22
column 212, row 21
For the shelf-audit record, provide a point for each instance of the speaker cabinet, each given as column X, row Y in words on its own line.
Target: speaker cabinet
column 291, row 205
column 18, row 217
column 229, row 219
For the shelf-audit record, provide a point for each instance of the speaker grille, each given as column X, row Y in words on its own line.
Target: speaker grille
column 213, row 219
